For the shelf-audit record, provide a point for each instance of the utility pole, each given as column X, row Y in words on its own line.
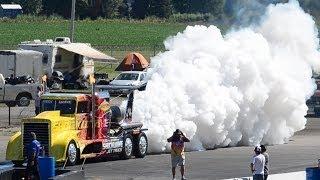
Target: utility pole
column 73, row 12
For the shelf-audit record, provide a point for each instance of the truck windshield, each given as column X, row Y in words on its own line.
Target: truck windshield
column 65, row 106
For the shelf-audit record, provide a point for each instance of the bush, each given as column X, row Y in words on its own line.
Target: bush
column 32, row 18
column 185, row 18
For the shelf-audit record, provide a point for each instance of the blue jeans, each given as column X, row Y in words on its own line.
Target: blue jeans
column 258, row 177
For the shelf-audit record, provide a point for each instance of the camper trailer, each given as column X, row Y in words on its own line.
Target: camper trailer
column 72, row 62
column 62, row 55
column 21, row 63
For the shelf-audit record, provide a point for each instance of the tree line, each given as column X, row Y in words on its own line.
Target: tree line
column 140, row 9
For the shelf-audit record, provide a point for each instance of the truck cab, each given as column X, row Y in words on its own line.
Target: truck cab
column 73, row 126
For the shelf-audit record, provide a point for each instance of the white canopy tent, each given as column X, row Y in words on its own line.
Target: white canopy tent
column 87, row 51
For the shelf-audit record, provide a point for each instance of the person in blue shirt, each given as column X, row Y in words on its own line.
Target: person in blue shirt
column 33, row 151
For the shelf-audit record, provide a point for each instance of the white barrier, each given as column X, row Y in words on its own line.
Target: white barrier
column 300, row 175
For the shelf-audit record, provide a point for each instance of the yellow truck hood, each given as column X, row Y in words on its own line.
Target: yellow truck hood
column 49, row 116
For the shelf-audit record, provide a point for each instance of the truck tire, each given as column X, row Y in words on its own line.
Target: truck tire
column 127, row 147
column 23, row 100
column 10, row 103
column 17, row 163
column 140, row 146
column 72, row 154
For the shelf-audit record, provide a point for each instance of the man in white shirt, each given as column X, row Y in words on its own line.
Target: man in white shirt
column 257, row 165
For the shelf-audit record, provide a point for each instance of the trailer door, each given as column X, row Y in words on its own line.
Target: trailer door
column 2, row 84
column 12, row 65
column 7, row 64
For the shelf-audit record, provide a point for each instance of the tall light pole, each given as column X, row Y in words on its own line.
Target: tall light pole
column 73, row 12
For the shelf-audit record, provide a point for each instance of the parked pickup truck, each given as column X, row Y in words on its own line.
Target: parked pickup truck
column 19, row 94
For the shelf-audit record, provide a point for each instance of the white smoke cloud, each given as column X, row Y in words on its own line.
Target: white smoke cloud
column 243, row 88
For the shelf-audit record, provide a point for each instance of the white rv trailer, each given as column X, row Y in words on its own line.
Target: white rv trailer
column 66, row 57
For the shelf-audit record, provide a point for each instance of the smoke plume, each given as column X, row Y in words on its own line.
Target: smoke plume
column 247, row 87
column 247, row 12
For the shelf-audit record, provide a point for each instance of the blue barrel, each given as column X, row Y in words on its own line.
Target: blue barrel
column 46, row 167
column 313, row 173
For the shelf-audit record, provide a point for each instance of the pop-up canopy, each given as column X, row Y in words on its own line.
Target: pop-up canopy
column 133, row 62
column 87, row 51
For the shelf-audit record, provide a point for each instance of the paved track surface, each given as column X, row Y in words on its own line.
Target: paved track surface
column 302, row 151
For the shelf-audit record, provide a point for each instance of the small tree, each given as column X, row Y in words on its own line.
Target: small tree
column 124, row 10
column 82, row 9
column 139, row 8
column 55, row 7
column 165, row 9
column 215, row 7
column 160, row 8
column 31, row 6
column 181, row 6
column 111, row 8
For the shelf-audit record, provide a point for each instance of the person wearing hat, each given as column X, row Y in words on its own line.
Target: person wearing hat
column 257, row 164
column 177, row 152
column 266, row 164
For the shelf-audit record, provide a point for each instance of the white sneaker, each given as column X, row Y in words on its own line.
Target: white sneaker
column 183, row 178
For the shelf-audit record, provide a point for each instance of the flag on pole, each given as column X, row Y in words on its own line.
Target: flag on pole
column 92, row 80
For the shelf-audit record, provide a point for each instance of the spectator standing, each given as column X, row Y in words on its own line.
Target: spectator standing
column 257, row 165
column 37, row 100
column 177, row 152
column 266, row 164
column 33, row 151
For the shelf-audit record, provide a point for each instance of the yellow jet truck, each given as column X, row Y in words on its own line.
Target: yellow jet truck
column 73, row 126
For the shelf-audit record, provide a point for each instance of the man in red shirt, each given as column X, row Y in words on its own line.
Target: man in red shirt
column 177, row 152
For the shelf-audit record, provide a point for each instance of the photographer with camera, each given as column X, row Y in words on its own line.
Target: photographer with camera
column 177, row 152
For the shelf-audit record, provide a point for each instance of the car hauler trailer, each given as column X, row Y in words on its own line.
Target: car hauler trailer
column 75, row 126
column 21, row 63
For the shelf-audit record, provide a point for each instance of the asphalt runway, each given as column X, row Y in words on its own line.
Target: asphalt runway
column 302, row 151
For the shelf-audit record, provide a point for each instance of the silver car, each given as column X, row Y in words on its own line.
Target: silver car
column 128, row 78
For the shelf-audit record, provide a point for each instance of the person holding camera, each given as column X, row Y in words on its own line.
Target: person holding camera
column 177, row 152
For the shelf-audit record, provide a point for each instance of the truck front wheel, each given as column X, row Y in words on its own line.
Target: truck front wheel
column 72, row 154
column 127, row 147
column 23, row 100
column 141, row 145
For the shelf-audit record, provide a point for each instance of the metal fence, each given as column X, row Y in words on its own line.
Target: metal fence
column 13, row 115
